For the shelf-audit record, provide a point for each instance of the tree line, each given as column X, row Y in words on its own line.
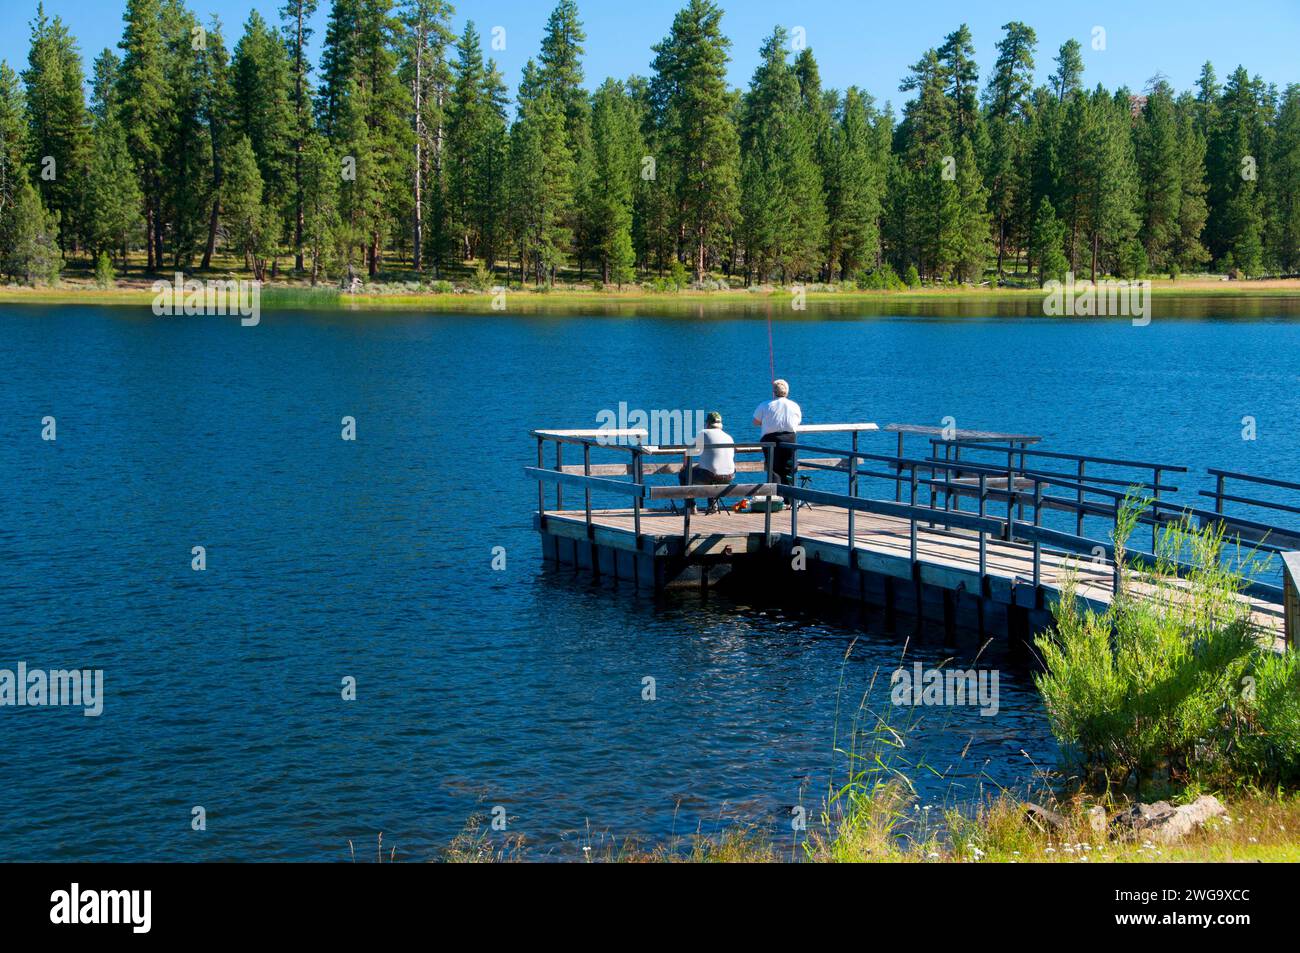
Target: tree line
column 401, row 151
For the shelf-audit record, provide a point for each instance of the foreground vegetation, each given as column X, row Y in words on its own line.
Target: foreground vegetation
column 1259, row 826
column 403, row 145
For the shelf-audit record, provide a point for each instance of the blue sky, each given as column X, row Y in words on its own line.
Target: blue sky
column 856, row 41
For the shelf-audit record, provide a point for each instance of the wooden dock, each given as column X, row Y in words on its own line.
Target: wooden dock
column 963, row 539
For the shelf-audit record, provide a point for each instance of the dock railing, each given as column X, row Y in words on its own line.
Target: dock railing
column 645, row 460
column 1020, row 489
column 1026, row 489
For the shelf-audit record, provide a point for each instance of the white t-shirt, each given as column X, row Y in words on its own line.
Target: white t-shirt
column 720, row 461
column 778, row 415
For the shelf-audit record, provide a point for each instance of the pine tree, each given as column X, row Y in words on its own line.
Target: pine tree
column 295, row 16
column 1067, row 79
column 973, row 243
column 699, row 137
column 143, row 94
column 338, row 62
column 250, row 225
column 1007, row 101
column 560, row 73
column 1111, row 189
column 13, row 152
column 263, row 86
column 476, row 145
column 1189, row 252
column 320, row 219
column 1284, row 177
column 782, row 202
column 541, row 179
column 426, row 76
column 31, row 248
column 188, row 169
column 1236, row 164
column 1160, row 166
column 854, row 185
column 958, row 58
column 58, row 122
column 928, row 188
column 112, row 200
column 216, row 113
column 616, row 152
column 1046, row 244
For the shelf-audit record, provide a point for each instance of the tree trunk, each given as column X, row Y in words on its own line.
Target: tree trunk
column 148, row 235
column 1002, row 244
column 417, row 224
column 297, row 167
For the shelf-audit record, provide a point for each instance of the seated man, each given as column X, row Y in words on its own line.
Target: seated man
column 715, row 465
column 778, row 421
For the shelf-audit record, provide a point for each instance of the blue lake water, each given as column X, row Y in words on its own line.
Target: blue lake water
column 372, row 559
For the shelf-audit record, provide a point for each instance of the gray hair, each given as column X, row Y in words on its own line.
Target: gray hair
column 780, row 388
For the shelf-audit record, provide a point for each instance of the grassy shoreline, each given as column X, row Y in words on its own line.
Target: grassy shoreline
column 1258, row 828
column 288, row 295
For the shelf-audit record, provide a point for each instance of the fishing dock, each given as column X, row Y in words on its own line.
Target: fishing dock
column 978, row 529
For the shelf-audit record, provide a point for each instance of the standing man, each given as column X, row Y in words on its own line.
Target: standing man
column 716, row 463
column 778, row 421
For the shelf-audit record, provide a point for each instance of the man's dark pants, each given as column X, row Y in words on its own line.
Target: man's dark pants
column 783, row 456
column 698, row 476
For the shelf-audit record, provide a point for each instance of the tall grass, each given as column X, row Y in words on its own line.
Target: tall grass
column 1171, row 681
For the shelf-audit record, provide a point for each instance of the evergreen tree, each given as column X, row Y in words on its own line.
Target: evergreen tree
column 958, row 58
column 1046, row 244
column 295, row 16
column 216, row 113
column 321, row 226
column 560, row 73
column 1236, row 164
column 58, row 122
column 188, row 170
column 972, row 243
column 143, row 95
column 1067, row 79
column 30, row 250
column 13, row 152
column 1160, row 165
column 854, row 185
column 1110, row 200
column 1189, row 252
column 112, row 200
column 426, row 76
column 263, row 85
column 782, row 202
column 541, row 179
column 1007, row 102
column 476, row 152
column 699, row 138
column 1284, row 178
column 250, row 226
column 927, row 183
column 616, row 154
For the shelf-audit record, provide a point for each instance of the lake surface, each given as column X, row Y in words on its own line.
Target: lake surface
column 372, row 559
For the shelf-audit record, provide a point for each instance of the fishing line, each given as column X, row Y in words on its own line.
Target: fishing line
column 771, row 354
